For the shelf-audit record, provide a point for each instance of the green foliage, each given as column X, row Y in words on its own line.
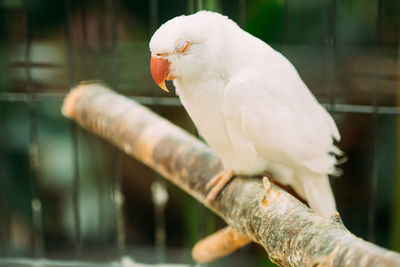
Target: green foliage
column 265, row 19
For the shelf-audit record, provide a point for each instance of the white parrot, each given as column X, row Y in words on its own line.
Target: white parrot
column 249, row 104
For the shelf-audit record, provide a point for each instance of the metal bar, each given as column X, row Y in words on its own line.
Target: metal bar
column 4, row 224
column 201, row 212
column 160, row 198
column 24, row 64
column 153, row 16
column 201, row 219
column 242, row 13
column 380, row 76
column 117, row 194
column 365, row 75
column 153, row 27
column 174, row 102
column 287, row 27
column 161, row 101
column 159, row 186
column 118, row 200
column 332, row 75
column 38, row 243
column 195, row 5
column 375, row 133
column 363, row 109
column 58, row 97
column 28, row 262
column 24, row 97
column 74, row 138
column 83, row 13
column 332, row 53
column 113, row 69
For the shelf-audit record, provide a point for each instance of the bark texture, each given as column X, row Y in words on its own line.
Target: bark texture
column 291, row 233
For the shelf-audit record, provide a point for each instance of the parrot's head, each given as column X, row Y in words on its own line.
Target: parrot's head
column 188, row 47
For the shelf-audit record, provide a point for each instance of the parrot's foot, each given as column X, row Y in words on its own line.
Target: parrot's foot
column 219, row 244
column 217, row 183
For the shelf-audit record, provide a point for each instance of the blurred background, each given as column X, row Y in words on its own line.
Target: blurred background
column 65, row 194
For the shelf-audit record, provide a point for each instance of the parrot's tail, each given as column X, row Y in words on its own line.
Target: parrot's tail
column 318, row 193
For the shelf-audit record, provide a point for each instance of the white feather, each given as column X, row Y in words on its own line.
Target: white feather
column 250, row 104
column 318, row 192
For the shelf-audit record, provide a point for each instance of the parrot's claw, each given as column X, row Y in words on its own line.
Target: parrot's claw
column 217, row 183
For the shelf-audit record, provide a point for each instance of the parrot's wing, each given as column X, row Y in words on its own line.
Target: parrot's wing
column 281, row 120
column 287, row 127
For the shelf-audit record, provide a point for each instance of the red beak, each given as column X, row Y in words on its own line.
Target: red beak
column 160, row 71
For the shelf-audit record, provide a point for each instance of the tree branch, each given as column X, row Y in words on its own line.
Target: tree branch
column 291, row 233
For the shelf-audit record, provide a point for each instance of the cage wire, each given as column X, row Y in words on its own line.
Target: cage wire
column 23, row 93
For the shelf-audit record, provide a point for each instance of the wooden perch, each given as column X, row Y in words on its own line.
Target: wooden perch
column 291, row 233
column 219, row 244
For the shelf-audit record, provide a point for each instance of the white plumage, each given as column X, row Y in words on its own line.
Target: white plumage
column 250, row 104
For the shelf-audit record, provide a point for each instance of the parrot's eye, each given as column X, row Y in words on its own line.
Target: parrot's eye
column 184, row 48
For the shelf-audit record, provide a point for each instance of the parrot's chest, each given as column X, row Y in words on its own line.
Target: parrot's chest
column 204, row 105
